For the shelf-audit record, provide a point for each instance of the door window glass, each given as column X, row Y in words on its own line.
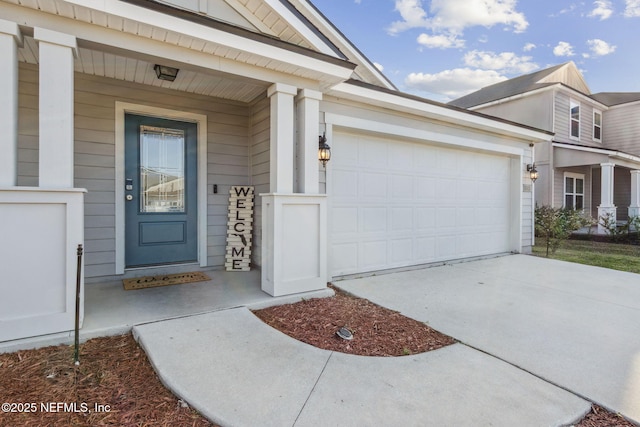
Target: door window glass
column 161, row 170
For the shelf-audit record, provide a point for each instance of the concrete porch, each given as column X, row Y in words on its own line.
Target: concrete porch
column 111, row 310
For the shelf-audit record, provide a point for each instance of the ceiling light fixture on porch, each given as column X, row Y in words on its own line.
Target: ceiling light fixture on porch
column 166, row 73
column 533, row 172
column 324, row 151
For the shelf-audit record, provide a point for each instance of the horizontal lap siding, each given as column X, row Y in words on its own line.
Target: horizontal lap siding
column 259, row 161
column 95, row 99
column 621, row 128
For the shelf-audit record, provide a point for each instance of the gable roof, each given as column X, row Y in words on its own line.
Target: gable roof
column 298, row 23
column 566, row 74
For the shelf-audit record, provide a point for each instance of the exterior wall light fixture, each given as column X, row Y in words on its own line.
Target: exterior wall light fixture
column 324, row 151
column 165, row 73
column 533, row 172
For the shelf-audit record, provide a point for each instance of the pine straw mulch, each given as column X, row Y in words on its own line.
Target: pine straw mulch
column 113, row 371
column 377, row 331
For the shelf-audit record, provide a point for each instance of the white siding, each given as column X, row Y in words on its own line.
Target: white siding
column 95, row 99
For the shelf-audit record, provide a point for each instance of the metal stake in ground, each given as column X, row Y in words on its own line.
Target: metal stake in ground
column 76, row 353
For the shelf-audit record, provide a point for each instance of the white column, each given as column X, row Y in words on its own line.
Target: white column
column 634, row 208
column 606, row 208
column 57, row 51
column 308, row 109
column 10, row 38
column 282, row 138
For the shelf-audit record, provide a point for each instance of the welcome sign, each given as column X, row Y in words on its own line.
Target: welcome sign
column 239, row 228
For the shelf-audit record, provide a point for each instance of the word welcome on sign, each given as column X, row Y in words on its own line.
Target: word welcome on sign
column 239, row 228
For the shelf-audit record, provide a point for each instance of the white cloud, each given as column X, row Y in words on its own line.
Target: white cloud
column 456, row 15
column 453, row 83
column 506, row 62
column 413, row 16
column 440, row 41
column 563, row 49
column 378, row 66
column 600, row 47
column 632, row 9
column 603, row 9
column 529, row 47
column 453, row 16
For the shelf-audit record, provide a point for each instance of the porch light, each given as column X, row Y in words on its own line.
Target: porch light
column 533, row 172
column 165, row 73
column 324, row 151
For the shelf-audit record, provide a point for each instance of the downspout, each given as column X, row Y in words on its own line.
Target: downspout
column 533, row 200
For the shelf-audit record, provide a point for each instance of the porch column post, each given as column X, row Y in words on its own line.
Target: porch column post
column 10, row 38
column 606, row 208
column 57, row 51
column 282, row 137
column 308, row 109
column 634, row 208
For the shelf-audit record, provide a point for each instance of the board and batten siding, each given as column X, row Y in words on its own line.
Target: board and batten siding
column 94, row 152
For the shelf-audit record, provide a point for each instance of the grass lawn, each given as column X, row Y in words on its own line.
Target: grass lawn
column 617, row 256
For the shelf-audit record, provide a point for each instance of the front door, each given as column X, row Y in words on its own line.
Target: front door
column 160, row 191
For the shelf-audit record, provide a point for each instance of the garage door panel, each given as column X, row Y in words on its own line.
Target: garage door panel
column 402, row 187
column 416, row 204
column 402, row 219
column 345, row 184
column 372, row 186
column 374, row 220
column 344, row 256
column 373, row 254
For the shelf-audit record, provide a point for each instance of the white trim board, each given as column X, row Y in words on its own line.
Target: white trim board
column 123, row 108
column 418, row 134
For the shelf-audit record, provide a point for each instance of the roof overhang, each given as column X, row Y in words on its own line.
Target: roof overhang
column 223, row 40
column 398, row 101
column 578, row 155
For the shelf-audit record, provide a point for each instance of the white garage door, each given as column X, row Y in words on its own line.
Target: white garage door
column 396, row 204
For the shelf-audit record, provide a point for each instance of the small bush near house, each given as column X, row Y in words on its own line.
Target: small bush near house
column 555, row 225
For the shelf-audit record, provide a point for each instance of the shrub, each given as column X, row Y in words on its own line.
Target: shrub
column 556, row 225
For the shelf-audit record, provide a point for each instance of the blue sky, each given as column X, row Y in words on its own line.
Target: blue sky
column 443, row 49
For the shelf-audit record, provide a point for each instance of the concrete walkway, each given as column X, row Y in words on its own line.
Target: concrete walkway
column 237, row 371
column 575, row 326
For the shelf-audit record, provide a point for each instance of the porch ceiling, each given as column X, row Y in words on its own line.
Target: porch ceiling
column 109, row 62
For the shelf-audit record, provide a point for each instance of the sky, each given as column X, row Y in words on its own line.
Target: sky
column 444, row 49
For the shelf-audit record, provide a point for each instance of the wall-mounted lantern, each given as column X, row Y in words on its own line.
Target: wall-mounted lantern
column 166, row 73
column 533, row 172
column 324, row 151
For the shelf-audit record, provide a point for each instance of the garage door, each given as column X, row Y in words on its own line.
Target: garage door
column 398, row 203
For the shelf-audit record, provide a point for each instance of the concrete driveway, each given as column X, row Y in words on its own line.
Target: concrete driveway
column 574, row 326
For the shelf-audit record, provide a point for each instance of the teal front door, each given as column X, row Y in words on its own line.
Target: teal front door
column 160, row 191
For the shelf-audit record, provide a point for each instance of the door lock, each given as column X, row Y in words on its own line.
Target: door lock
column 129, row 197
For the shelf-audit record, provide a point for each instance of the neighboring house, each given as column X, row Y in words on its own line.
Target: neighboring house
column 97, row 151
column 593, row 162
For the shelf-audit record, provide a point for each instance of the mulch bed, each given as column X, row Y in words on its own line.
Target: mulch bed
column 599, row 417
column 113, row 371
column 377, row 331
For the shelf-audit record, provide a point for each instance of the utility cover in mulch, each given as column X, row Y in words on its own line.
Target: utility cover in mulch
column 114, row 385
column 377, row 331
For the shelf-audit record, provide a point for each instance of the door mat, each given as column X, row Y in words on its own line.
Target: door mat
column 164, row 280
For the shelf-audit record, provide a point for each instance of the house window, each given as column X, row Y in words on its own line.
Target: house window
column 597, row 125
column 574, row 119
column 573, row 191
